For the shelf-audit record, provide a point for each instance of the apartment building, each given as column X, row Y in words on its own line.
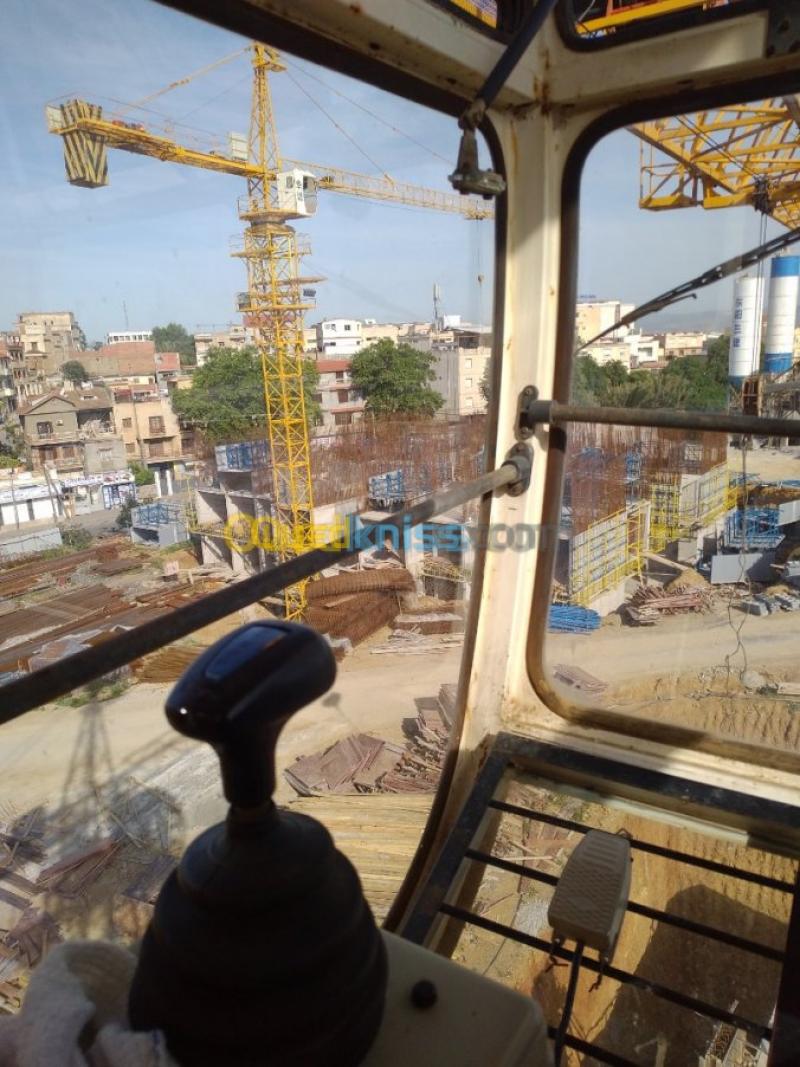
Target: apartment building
column 233, row 336
column 637, row 351
column 337, row 338
column 372, row 331
column 462, row 353
column 339, row 400
column 49, row 339
column 123, row 337
column 150, row 432
column 593, row 316
column 687, row 343
column 128, row 359
column 72, row 431
column 8, row 394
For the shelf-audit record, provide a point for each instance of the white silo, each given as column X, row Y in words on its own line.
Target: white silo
column 743, row 356
column 784, row 279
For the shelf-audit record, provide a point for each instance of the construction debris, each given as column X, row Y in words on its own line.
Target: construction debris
column 648, row 603
column 352, row 615
column 168, row 664
column 412, row 643
column 363, row 764
column 579, row 679
column 440, row 622
column 134, row 906
column 363, row 581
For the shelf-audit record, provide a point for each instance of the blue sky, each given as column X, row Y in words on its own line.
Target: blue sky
column 157, row 237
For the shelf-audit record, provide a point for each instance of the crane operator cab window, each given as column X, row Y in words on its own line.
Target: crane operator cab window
column 476, row 398
column 297, row 192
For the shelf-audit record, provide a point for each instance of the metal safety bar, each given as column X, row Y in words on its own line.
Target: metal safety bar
column 48, row 683
column 560, row 769
column 616, row 974
column 534, row 413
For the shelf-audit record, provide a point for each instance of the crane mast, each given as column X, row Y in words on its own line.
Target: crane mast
column 274, row 309
column 278, row 192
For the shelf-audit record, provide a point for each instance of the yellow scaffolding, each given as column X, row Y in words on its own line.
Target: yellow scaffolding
column 678, row 508
column 607, row 552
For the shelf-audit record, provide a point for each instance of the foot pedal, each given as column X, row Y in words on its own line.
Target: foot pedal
column 589, row 902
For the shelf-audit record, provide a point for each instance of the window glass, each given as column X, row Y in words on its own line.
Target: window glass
column 677, row 566
column 193, row 487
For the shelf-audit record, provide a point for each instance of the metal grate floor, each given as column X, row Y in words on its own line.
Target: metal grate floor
column 710, row 944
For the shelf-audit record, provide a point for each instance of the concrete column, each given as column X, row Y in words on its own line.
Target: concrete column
column 168, row 474
column 157, row 472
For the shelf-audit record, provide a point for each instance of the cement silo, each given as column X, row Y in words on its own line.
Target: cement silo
column 743, row 356
column 784, row 277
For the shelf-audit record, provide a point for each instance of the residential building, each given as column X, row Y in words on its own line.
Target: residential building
column 25, row 384
column 49, row 339
column 635, row 351
column 603, row 352
column 235, row 336
column 685, row 343
column 27, row 497
column 72, row 431
column 593, row 316
column 150, row 431
column 337, row 338
column 340, row 402
column 372, row 331
column 8, row 393
column 129, row 359
column 462, row 353
column 122, row 337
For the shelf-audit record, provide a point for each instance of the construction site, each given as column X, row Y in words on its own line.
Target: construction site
column 676, row 595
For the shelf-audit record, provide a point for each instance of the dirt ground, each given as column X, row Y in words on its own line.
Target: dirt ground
column 771, row 464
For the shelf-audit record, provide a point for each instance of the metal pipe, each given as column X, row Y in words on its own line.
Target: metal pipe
column 55, row 680
column 553, row 413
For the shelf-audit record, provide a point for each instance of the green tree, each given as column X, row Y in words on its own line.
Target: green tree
column 395, row 379
column 141, row 475
column 74, row 371
column 226, row 398
column 588, row 381
column 175, row 338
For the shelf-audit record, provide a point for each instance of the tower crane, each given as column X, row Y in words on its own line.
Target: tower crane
column 278, row 192
column 728, row 157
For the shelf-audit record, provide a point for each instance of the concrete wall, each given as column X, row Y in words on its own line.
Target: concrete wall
column 106, row 454
column 26, row 544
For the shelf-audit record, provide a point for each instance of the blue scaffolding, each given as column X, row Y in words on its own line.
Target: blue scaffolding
column 753, row 527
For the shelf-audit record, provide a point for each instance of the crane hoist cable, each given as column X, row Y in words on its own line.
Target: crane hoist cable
column 185, row 81
column 339, row 127
column 367, row 111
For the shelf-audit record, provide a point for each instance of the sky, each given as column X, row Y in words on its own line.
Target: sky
column 155, row 241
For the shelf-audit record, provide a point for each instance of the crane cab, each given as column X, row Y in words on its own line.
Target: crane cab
column 297, row 192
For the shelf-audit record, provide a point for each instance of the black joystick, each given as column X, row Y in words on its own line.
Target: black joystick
column 262, row 950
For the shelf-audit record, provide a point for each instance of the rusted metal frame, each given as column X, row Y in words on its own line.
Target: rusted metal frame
column 654, row 850
column 655, row 914
column 660, row 732
column 786, row 1038
column 775, row 824
column 535, row 413
column 428, row 905
column 587, row 1048
column 55, row 680
column 616, row 974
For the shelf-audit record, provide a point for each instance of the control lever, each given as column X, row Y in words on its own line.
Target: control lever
column 262, row 949
column 240, row 694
